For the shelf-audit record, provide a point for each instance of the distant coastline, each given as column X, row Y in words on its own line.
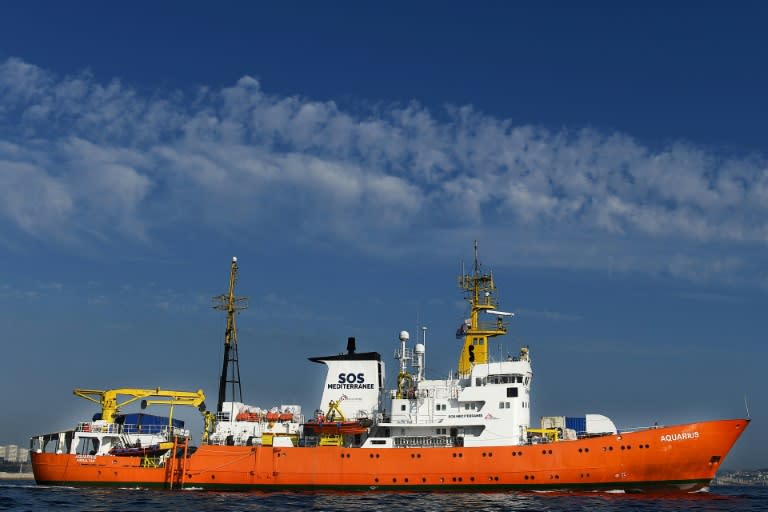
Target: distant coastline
column 750, row 478
column 16, row 476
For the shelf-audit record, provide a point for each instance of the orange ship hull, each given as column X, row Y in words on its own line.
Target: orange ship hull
column 675, row 458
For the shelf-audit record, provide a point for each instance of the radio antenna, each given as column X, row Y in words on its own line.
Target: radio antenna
column 230, row 370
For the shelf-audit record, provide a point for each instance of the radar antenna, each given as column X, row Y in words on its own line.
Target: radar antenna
column 230, row 370
column 480, row 291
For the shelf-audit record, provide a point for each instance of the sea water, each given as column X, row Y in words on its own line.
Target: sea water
column 25, row 495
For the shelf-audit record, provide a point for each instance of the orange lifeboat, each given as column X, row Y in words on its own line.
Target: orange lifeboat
column 324, row 427
column 247, row 416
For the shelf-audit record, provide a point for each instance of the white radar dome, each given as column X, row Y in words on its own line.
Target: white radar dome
column 419, row 348
column 404, row 336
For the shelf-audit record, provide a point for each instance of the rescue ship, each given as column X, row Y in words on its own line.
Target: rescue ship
column 470, row 431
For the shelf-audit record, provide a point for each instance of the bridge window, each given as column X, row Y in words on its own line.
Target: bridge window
column 504, row 379
column 87, row 446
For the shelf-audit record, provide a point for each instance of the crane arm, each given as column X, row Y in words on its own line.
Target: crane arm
column 110, row 406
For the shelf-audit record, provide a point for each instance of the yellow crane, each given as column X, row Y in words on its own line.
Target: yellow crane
column 110, row 406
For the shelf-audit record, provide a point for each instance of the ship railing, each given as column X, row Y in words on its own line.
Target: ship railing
column 163, row 430
column 637, row 429
column 423, row 441
column 115, row 428
column 101, row 428
column 491, row 326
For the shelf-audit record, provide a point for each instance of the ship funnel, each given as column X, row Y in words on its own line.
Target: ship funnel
column 354, row 378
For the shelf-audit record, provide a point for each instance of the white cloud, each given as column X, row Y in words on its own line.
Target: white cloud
column 82, row 159
column 31, row 198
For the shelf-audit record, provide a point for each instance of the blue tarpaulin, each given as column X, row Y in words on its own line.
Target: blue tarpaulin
column 579, row 424
column 141, row 423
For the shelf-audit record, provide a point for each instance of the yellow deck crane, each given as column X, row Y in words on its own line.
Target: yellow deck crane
column 110, row 406
column 108, row 400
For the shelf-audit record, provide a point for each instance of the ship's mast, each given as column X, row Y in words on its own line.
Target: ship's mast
column 480, row 293
column 230, row 369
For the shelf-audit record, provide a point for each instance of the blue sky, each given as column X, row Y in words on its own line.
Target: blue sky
column 611, row 161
